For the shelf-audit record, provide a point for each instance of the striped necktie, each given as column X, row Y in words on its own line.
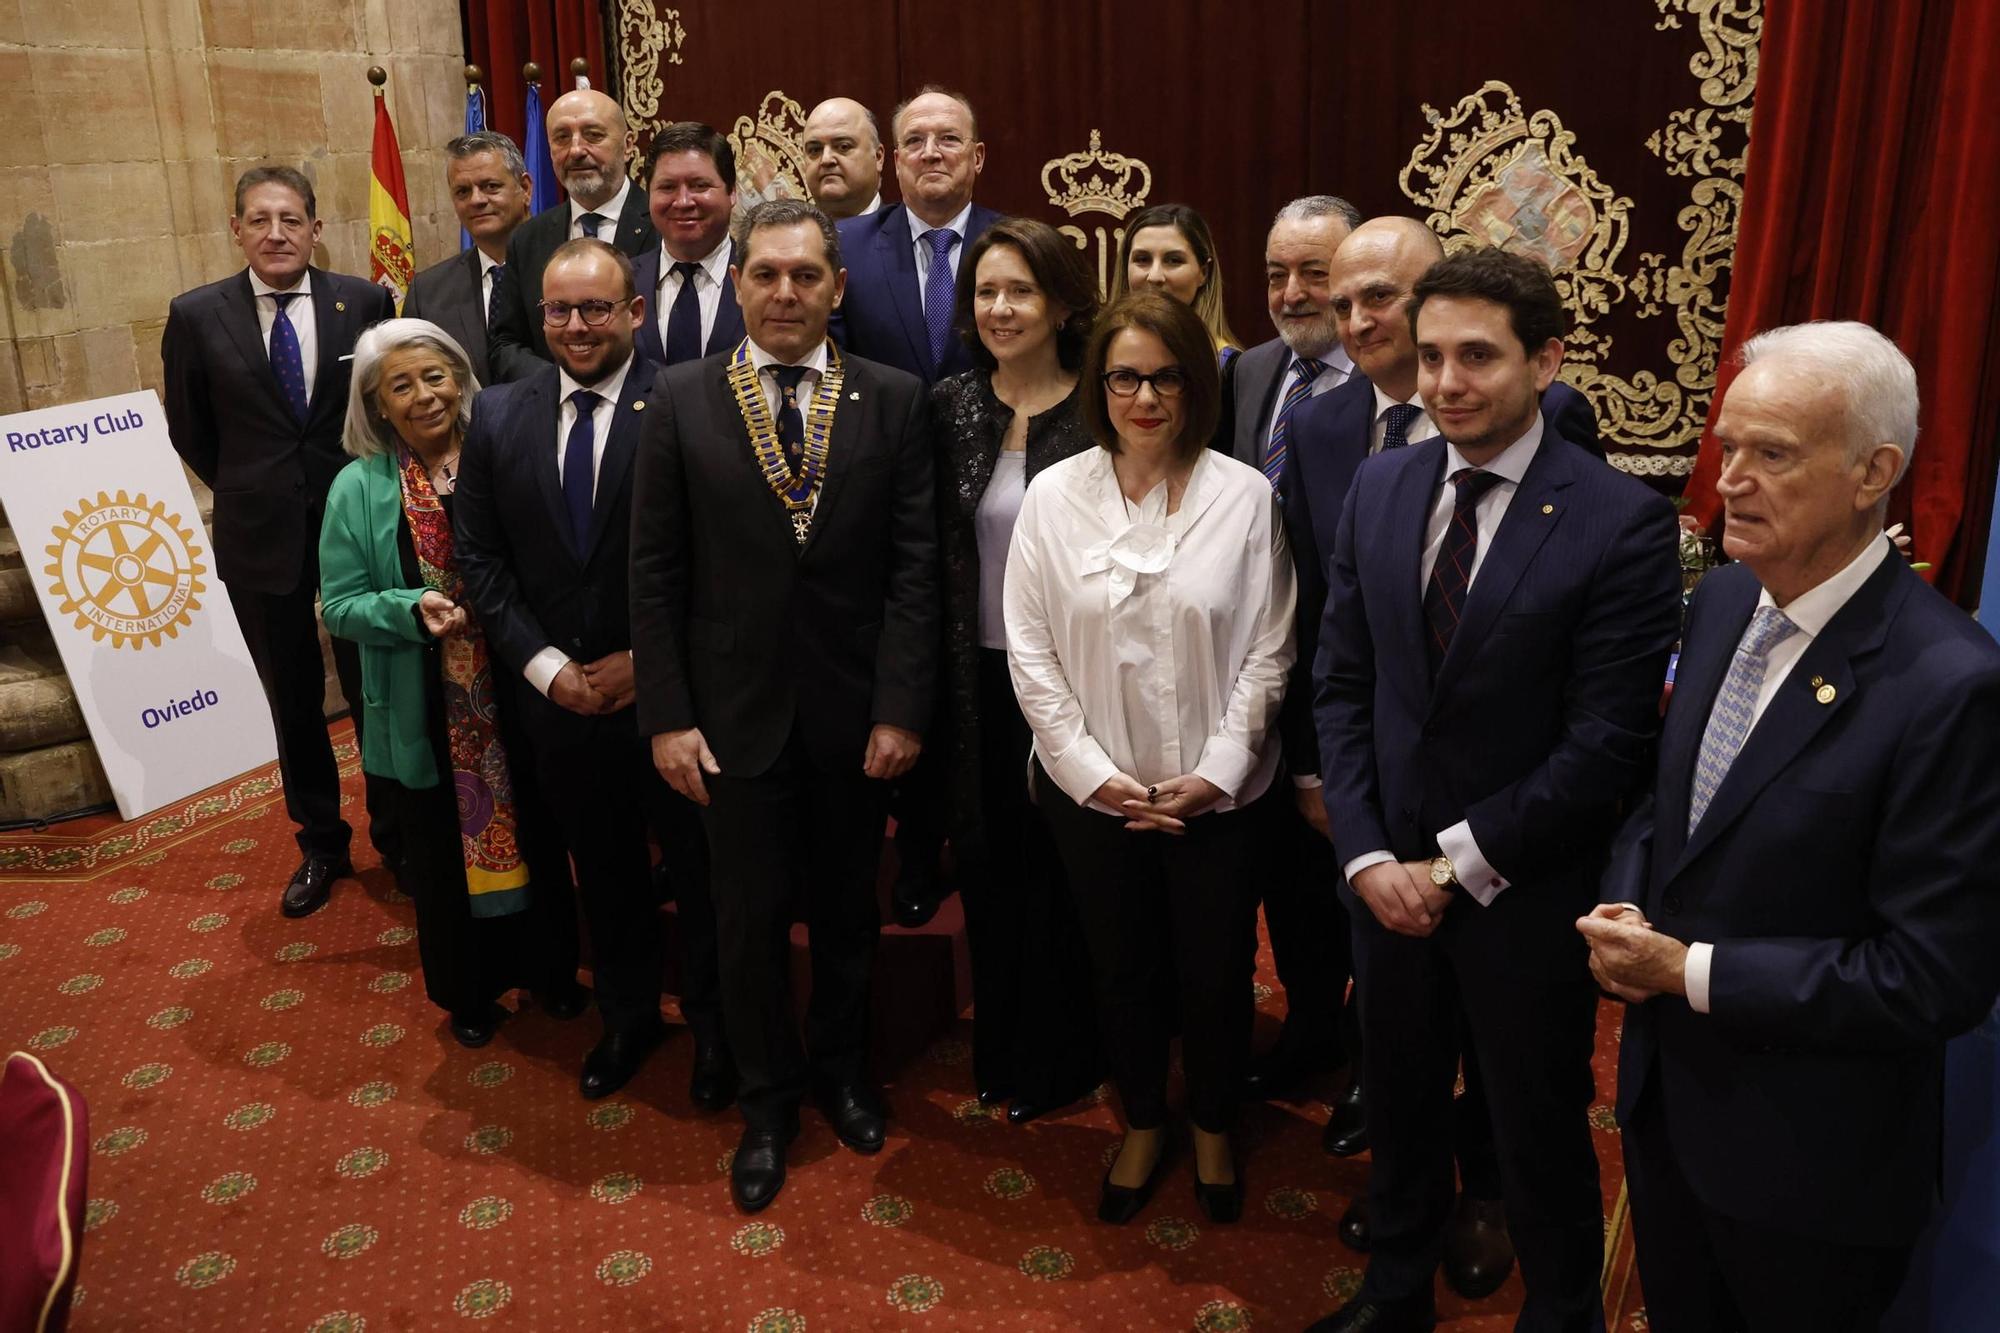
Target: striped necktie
column 1304, row 371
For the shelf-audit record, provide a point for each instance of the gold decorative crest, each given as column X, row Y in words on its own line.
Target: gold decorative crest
column 770, row 149
column 126, row 569
column 647, row 37
column 1095, row 181
column 1492, row 173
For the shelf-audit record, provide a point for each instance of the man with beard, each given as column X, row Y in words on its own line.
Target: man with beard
column 843, row 159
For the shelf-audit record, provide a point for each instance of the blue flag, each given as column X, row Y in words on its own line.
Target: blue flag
column 475, row 121
column 541, row 168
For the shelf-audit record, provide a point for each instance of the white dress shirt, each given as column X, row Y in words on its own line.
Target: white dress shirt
column 486, row 266
column 542, row 667
column 1810, row 611
column 922, row 248
column 1475, row 873
column 300, row 312
column 1421, row 428
column 1148, row 643
column 714, row 267
column 1336, row 369
column 875, row 206
column 612, row 210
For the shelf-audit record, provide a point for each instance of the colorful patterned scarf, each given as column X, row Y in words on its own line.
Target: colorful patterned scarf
column 495, row 876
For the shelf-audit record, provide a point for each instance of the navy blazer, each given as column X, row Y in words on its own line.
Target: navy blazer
column 722, row 337
column 1844, row 873
column 1544, row 710
column 882, row 315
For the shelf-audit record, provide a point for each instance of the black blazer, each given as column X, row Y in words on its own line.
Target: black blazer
column 740, row 631
column 527, row 583
column 1843, row 873
column 728, row 330
column 230, row 423
column 882, row 315
column 515, row 345
column 448, row 295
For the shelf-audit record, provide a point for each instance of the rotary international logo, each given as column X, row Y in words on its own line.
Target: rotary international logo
column 126, row 569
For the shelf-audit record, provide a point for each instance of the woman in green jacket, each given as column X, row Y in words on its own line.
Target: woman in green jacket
column 388, row 582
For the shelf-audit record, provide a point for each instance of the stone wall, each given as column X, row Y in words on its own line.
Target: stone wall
column 123, row 127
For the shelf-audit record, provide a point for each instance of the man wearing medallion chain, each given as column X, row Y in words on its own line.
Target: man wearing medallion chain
column 785, row 633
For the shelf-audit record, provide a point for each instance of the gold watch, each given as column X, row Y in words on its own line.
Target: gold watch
column 1442, row 873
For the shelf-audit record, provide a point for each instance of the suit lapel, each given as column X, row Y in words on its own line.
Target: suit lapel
column 897, row 254
column 1262, row 384
column 734, row 437
column 541, row 409
column 1697, row 680
column 728, row 330
column 846, row 438
column 619, row 446
column 635, row 225
column 239, row 316
column 328, row 316
column 1407, row 515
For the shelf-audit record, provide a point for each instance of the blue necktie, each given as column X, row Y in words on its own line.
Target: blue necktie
column 1304, row 371
column 791, row 423
column 940, row 293
column 1395, row 434
column 590, row 222
column 684, row 321
column 579, row 485
column 287, row 362
column 493, row 289
column 1729, row 720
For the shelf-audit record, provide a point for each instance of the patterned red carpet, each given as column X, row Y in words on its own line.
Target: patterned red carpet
column 285, row 1137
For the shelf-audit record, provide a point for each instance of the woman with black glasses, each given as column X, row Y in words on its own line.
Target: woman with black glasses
column 1148, row 603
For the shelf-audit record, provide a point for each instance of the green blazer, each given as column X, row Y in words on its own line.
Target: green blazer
column 362, row 598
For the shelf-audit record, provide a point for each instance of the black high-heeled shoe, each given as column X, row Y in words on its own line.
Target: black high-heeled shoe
column 1221, row 1204
column 1119, row 1204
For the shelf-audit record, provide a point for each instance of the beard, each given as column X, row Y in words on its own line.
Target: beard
column 587, row 182
column 1310, row 335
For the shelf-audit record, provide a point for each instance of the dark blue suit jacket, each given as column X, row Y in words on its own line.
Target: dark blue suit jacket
column 1327, row 440
column 1545, row 708
column 728, row 330
column 882, row 315
column 1844, row 872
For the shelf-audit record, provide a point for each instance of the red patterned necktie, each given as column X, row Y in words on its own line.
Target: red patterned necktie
column 1444, row 597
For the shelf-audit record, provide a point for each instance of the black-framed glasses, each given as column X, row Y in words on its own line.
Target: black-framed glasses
column 595, row 314
column 1167, row 383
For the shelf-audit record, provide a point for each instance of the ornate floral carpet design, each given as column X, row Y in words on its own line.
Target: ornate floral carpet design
column 285, row 1137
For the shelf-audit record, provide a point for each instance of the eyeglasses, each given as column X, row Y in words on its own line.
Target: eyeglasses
column 595, row 314
column 1168, row 383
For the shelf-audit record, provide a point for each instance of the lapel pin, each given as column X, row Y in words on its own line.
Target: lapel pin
column 1825, row 694
column 638, row 404
column 340, row 305
column 1548, row 509
column 1818, row 681
column 854, row 397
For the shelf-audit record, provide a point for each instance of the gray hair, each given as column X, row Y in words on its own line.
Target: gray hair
column 1876, row 382
column 488, row 141
column 786, row 213
column 366, row 433
column 1312, row 207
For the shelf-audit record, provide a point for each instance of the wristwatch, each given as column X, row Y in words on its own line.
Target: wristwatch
column 1442, row 873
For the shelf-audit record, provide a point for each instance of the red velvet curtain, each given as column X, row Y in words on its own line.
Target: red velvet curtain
column 1873, row 193
column 503, row 35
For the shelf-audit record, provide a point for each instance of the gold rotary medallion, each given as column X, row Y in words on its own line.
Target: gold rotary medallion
column 126, row 569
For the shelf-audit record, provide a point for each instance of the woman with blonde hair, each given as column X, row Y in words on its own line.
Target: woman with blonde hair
column 1169, row 248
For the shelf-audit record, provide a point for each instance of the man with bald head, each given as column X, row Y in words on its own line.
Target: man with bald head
column 843, row 159
column 588, row 141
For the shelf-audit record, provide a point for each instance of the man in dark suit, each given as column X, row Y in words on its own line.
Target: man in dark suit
column 588, row 139
column 489, row 192
column 256, row 372
column 1499, row 614
column 543, row 527
column 690, row 177
column 1805, row 911
column 786, row 625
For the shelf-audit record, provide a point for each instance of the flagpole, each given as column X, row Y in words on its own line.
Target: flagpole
column 475, row 121
column 579, row 69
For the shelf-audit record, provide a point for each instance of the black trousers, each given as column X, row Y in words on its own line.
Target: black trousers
column 1310, row 940
column 1515, row 974
column 760, row 829
column 1704, row 1272
column 1172, row 915
column 282, row 632
column 1033, row 1023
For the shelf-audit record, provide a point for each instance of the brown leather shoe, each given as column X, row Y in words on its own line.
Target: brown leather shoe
column 1354, row 1225
column 1478, row 1253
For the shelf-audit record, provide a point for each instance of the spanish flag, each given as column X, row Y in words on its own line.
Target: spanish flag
column 391, row 258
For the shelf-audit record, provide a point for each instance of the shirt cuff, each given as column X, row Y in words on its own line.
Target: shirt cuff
column 543, row 666
column 1226, row 764
column 1306, row 781
column 1694, row 975
column 1475, row 875
column 1361, row 863
column 1081, row 770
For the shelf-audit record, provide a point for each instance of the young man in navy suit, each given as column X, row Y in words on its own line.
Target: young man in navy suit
column 690, row 177
column 1499, row 614
column 1805, row 911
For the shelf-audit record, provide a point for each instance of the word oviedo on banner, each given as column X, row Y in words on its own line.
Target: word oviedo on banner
column 119, row 559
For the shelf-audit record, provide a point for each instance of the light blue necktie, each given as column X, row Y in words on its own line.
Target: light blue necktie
column 1729, row 720
column 1304, row 371
column 940, row 293
column 287, row 362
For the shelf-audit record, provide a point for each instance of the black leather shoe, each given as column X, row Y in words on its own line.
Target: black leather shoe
column 1024, row 1109
column 1354, row 1225
column 1296, row 1057
column 312, row 884
column 1418, row 1314
column 758, row 1171
column 476, row 1028
column 911, row 913
column 1347, row 1132
column 563, row 1002
column 612, row 1062
column 712, row 1085
column 855, row 1117
column 1478, row 1252
column 1221, row 1204
column 1119, row 1204
column 993, row 1096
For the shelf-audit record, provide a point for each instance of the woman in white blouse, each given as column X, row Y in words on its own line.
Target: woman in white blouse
column 1149, row 629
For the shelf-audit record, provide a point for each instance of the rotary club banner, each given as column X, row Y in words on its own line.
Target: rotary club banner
column 391, row 255
column 115, row 547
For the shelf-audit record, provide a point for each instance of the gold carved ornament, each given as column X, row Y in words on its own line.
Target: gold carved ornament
column 1492, row 174
column 648, row 38
column 1095, row 181
column 770, row 152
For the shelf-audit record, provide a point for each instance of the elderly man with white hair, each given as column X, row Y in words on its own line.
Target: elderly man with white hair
column 1807, row 909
